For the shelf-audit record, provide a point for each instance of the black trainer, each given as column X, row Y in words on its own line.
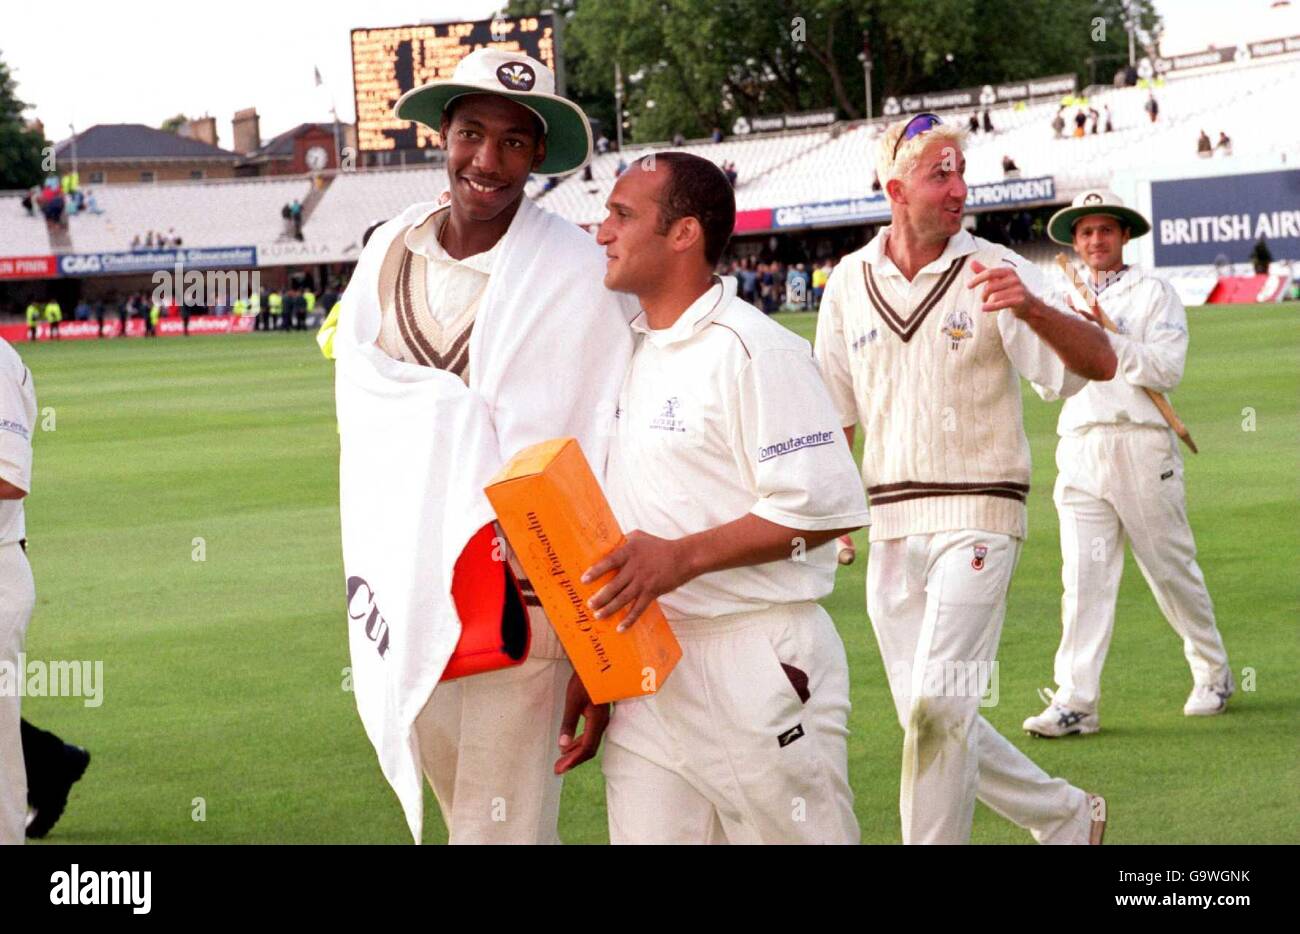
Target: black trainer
column 48, row 799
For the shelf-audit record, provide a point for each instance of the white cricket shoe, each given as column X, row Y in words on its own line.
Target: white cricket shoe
column 1059, row 720
column 1206, row 700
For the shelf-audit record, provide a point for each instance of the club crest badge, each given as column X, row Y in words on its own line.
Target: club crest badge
column 981, row 552
column 668, row 419
column 958, row 326
column 516, row 76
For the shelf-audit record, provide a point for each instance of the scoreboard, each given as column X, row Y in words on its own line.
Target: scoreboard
column 388, row 62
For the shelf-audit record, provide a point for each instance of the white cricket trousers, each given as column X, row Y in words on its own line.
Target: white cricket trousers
column 17, row 598
column 1118, row 482
column 745, row 742
column 488, row 744
column 937, row 603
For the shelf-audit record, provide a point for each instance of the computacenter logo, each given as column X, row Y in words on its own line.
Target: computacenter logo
column 816, row 439
column 105, row 887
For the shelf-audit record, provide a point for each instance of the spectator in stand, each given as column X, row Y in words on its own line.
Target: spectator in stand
column 29, row 202
column 620, row 168
column 716, row 135
column 1152, row 106
column 92, row 205
column 1110, row 126
column 1224, row 143
column 1095, row 117
column 987, row 121
column 748, row 280
column 821, row 273
column 602, row 144
column 52, row 207
column 729, row 170
column 795, row 291
column 974, row 123
column 586, row 172
column 1080, row 118
column 678, row 140
column 767, row 273
column 1204, row 148
column 53, row 317
column 148, row 241
column 1058, row 123
column 135, row 242
column 1009, row 168
column 1261, row 257
column 875, row 182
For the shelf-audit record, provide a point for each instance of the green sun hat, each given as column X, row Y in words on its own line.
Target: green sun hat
column 516, row 77
column 1095, row 201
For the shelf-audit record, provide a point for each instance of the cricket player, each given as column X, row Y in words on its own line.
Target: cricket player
column 921, row 337
column 1121, row 476
column 17, row 591
column 730, row 473
column 505, row 300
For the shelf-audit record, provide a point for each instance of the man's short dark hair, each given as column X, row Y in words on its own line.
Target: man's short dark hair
column 695, row 187
column 449, row 111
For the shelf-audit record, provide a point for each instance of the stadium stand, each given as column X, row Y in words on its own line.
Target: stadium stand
column 203, row 214
column 774, row 170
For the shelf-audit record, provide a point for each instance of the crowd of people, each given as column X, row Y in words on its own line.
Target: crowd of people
column 59, row 198
column 1086, row 123
column 156, row 240
column 1205, row 149
column 776, row 286
column 293, row 309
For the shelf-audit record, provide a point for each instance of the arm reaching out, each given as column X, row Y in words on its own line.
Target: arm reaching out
column 1082, row 347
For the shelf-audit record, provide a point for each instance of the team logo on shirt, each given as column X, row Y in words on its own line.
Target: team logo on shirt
column 981, row 552
column 958, row 326
column 667, row 419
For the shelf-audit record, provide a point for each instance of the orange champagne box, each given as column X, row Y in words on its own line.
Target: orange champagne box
column 559, row 523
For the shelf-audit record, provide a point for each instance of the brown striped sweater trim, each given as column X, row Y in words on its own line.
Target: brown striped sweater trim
column 885, row 493
column 906, row 327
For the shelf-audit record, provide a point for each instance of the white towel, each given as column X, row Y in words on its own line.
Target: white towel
column 547, row 357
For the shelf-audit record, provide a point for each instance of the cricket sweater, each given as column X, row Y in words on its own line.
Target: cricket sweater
column 932, row 380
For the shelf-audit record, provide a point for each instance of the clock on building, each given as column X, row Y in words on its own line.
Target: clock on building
column 317, row 158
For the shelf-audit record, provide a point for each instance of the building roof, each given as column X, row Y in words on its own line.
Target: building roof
column 281, row 147
column 137, row 142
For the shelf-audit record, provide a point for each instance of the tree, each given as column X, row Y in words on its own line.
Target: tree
column 690, row 65
column 21, row 148
column 173, row 124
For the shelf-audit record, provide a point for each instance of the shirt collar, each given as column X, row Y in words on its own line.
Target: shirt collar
column 696, row 316
column 422, row 238
column 959, row 244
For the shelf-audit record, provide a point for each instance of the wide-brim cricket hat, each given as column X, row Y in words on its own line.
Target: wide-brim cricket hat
column 516, row 77
column 1095, row 201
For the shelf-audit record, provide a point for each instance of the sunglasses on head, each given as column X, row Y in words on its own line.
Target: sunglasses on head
column 919, row 124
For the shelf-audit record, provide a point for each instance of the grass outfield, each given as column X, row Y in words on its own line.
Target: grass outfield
column 222, row 677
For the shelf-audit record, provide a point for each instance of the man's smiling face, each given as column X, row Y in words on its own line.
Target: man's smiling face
column 936, row 189
column 493, row 144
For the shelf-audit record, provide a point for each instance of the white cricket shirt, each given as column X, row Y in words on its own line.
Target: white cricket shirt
column 1151, row 346
column 17, row 422
column 721, row 415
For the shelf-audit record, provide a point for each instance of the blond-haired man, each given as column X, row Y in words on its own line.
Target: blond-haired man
column 921, row 338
